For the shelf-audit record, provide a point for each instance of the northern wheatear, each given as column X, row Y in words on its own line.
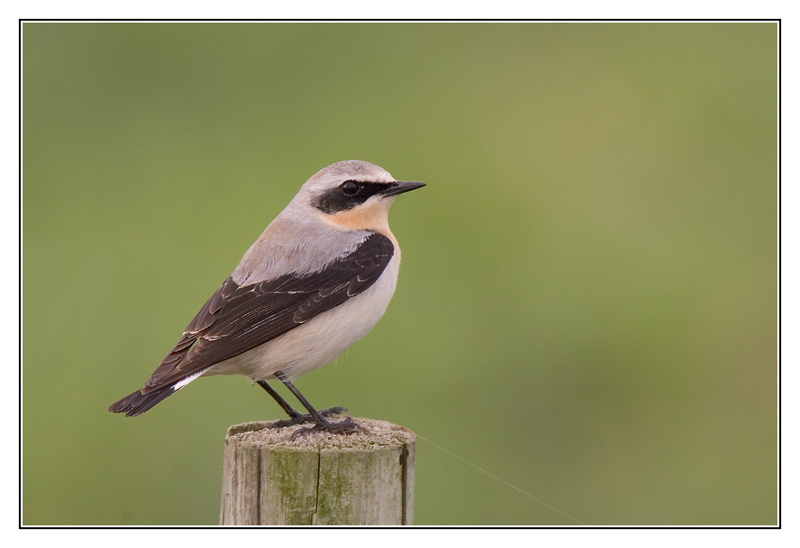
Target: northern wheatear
column 317, row 280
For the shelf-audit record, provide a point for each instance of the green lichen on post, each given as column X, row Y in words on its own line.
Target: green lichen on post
column 360, row 487
column 359, row 479
column 293, row 473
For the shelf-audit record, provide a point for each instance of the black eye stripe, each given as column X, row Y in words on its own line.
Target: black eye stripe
column 366, row 189
column 347, row 196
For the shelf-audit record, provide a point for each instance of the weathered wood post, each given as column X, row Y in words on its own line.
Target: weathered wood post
column 318, row 479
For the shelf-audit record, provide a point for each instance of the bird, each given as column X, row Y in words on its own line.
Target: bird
column 316, row 281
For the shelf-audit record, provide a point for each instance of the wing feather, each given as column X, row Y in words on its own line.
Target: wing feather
column 238, row 318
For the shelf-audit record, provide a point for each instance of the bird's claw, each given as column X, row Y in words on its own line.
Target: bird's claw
column 302, row 418
column 346, row 427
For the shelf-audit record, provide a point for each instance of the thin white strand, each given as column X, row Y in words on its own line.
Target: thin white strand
column 540, row 501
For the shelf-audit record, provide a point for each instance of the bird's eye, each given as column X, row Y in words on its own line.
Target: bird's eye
column 350, row 188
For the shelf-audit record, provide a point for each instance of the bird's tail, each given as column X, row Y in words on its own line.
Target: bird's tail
column 137, row 403
column 144, row 399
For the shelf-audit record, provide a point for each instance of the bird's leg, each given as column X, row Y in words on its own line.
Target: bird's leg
column 346, row 426
column 292, row 412
column 295, row 416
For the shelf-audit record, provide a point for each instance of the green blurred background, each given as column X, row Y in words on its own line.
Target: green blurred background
column 587, row 305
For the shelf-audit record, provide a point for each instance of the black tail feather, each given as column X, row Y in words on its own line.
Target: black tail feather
column 137, row 403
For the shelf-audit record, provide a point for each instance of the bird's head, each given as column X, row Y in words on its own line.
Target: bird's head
column 353, row 194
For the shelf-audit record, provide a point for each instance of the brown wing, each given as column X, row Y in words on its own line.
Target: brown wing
column 238, row 318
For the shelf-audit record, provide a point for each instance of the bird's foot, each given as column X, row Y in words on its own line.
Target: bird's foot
column 346, row 427
column 302, row 418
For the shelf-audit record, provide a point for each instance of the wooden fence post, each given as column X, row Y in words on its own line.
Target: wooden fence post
column 318, row 479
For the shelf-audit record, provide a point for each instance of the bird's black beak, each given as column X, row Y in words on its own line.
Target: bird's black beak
column 398, row 187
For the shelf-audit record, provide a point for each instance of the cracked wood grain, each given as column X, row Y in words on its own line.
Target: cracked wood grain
column 318, row 479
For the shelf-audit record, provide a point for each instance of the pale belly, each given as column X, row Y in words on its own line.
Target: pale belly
column 318, row 341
